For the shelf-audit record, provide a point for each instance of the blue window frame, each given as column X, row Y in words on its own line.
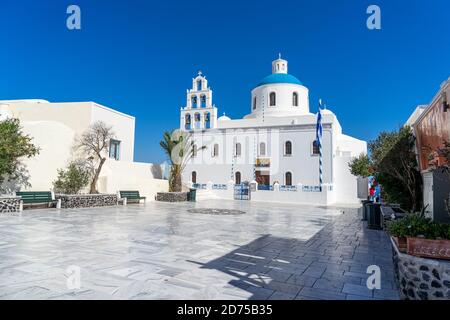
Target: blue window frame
column 114, row 149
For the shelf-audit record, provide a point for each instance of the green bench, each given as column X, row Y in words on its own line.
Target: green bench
column 126, row 196
column 37, row 197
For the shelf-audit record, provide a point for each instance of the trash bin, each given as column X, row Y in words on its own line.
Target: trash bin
column 192, row 194
column 374, row 220
column 365, row 209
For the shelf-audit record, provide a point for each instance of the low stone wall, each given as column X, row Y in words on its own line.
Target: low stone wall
column 171, row 196
column 420, row 278
column 9, row 204
column 87, row 201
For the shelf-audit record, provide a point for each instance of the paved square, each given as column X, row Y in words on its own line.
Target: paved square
column 161, row 251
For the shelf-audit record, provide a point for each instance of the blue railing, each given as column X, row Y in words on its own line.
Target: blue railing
column 311, row 188
column 219, row 187
column 199, row 185
column 265, row 187
column 288, row 188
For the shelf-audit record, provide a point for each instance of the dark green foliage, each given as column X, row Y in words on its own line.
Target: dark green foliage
column 73, row 179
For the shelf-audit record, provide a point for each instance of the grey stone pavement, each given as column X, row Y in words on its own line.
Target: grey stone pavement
column 161, row 251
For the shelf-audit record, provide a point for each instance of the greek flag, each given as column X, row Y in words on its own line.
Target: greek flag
column 319, row 141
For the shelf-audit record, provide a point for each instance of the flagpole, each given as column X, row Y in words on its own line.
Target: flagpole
column 319, row 142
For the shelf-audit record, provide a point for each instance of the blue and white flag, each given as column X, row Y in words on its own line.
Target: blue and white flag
column 319, row 141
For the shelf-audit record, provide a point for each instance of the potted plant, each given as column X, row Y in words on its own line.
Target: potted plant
column 398, row 229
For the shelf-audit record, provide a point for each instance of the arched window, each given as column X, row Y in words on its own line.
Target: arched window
column 295, row 99
column 238, row 149
column 207, row 120
column 288, row 148
column 197, row 120
column 237, row 177
column 272, row 99
column 194, row 151
column 194, row 102
column 187, row 122
column 288, row 179
column 215, row 152
column 262, row 149
column 203, row 101
column 194, row 177
column 315, row 148
column 254, row 103
column 199, row 85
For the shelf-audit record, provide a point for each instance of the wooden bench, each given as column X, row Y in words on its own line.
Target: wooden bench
column 37, row 197
column 126, row 196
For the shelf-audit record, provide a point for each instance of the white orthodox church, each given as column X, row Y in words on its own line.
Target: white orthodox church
column 273, row 148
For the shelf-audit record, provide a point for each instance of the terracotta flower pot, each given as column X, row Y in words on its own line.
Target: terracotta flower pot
column 426, row 248
column 401, row 243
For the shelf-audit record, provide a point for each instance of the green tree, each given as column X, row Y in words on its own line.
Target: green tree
column 179, row 149
column 393, row 162
column 14, row 147
column 361, row 166
column 73, row 179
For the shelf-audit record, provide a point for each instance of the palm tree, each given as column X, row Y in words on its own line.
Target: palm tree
column 179, row 149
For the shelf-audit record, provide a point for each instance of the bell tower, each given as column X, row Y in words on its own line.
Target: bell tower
column 279, row 65
column 199, row 113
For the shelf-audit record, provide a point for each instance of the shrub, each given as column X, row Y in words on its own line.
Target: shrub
column 73, row 179
column 416, row 225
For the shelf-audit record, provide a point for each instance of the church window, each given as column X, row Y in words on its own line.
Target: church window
column 197, row 120
column 288, row 148
column 272, row 99
column 238, row 150
column 194, row 151
column 194, row 102
column 237, row 178
column 194, row 177
column 215, row 150
column 207, row 120
column 199, row 85
column 254, row 103
column 262, row 149
column 315, row 148
column 288, row 179
column 295, row 99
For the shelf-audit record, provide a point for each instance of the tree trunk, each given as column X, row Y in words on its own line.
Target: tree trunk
column 96, row 176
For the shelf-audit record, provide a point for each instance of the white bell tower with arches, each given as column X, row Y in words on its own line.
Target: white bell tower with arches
column 199, row 113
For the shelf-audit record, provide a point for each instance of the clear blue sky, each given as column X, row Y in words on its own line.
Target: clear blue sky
column 139, row 56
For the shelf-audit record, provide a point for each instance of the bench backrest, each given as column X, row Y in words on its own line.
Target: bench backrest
column 35, row 196
column 130, row 194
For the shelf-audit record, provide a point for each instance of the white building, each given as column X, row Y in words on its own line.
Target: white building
column 274, row 145
column 54, row 128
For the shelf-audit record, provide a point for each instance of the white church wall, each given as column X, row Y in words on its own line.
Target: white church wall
column 346, row 184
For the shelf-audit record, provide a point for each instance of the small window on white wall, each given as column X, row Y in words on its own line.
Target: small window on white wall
column 262, row 149
column 215, row 152
column 295, row 99
column 114, row 149
column 288, row 148
column 238, row 149
column 254, row 103
column 272, row 99
column 288, row 179
column 194, row 151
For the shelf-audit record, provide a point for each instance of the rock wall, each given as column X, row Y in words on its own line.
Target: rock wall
column 87, row 201
column 420, row 278
column 9, row 204
column 171, row 196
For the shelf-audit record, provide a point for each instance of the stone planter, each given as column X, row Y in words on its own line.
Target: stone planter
column 421, row 278
column 426, row 248
column 9, row 204
column 87, row 201
column 401, row 243
column 172, row 196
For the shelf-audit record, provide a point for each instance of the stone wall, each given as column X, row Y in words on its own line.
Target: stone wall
column 420, row 278
column 87, row 201
column 9, row 204
column 171, row 196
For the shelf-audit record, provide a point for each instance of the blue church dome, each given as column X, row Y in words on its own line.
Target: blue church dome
column 279, row 78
